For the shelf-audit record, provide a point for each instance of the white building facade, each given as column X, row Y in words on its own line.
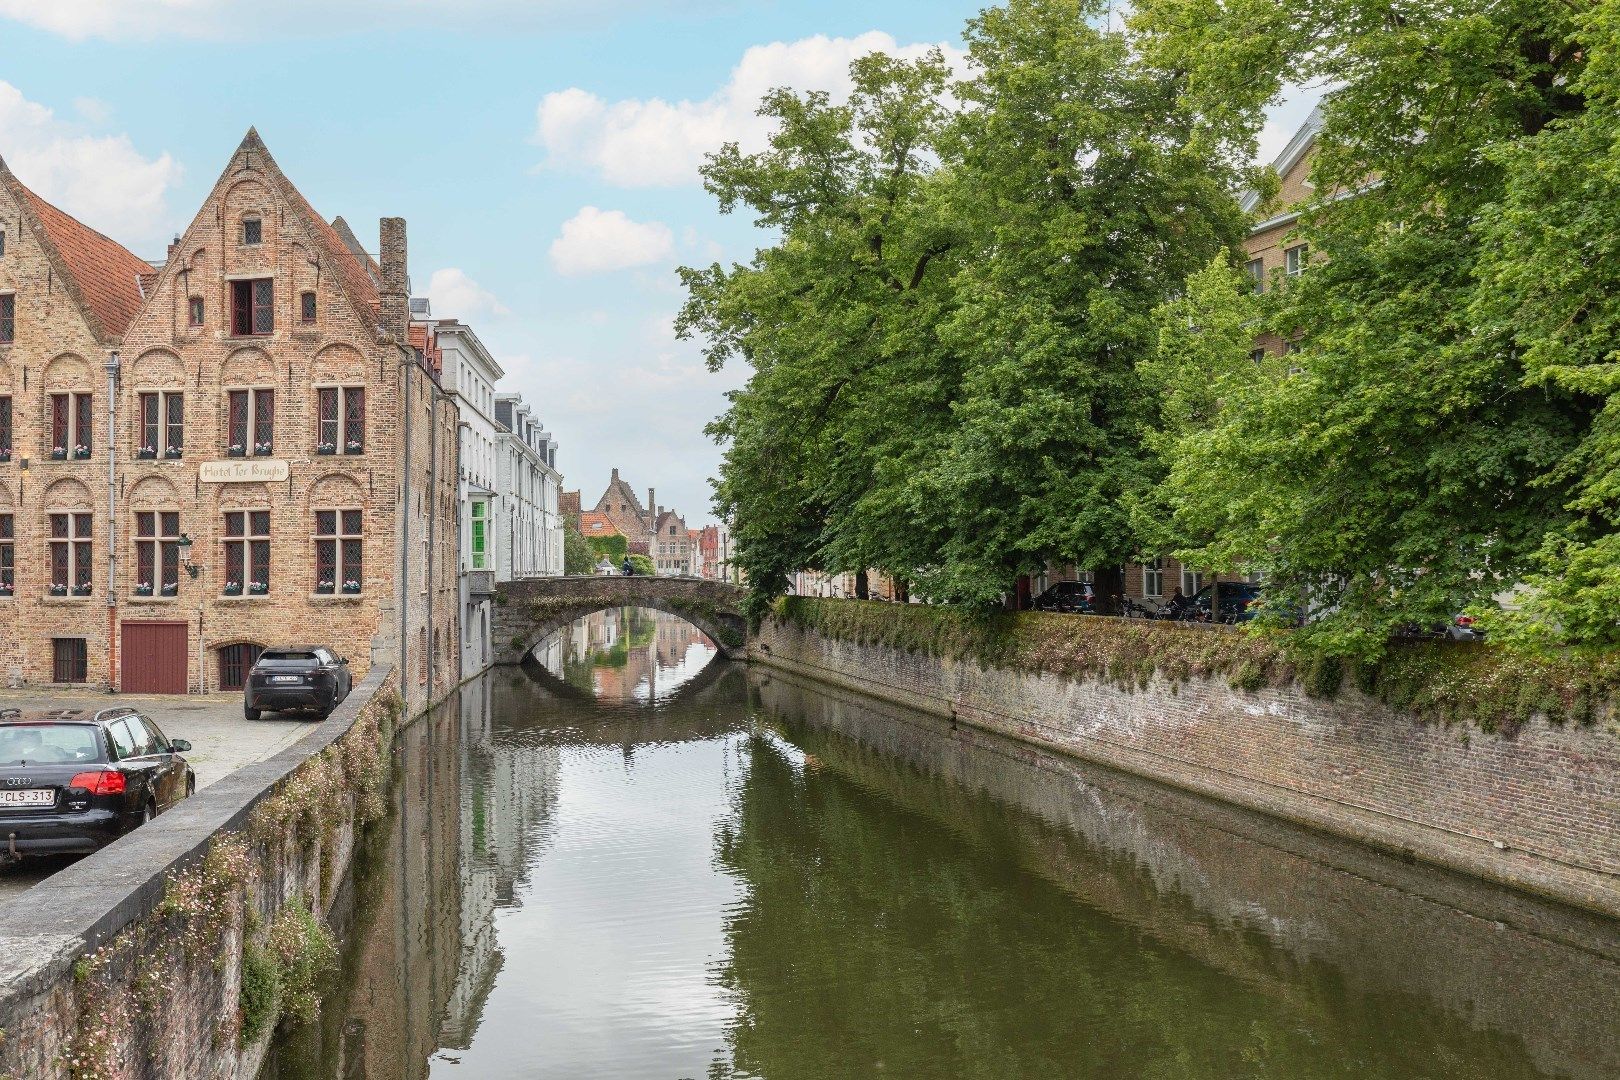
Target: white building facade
column 470, row 374
column 529, row 528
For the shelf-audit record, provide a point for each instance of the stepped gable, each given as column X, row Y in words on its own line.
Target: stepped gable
column 103, row 277
column 356, row 280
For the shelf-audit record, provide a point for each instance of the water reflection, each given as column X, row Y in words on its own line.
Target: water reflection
column 609, row 871
column 627, row 655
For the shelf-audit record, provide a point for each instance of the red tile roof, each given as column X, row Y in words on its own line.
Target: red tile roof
column 596, row 523
column 106, row 274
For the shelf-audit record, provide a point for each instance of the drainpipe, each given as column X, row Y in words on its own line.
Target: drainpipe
column 112, row 521
column 405, row 527
column 433, row 517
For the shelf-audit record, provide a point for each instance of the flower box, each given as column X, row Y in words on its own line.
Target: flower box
column 259, row 588
column 351, row 588
column 233, row 588
column 5, row 456
column 171, row 588
column 173, row 453
column 262, row 449
column 325, row 586
column 81, row 452
column 326, row 448
column 236, row 450
column 81, row 590
column 143, row 589
column 59, row 590
column 58, row 453
column 355, row 447
column 5, row 589
column 146, row 453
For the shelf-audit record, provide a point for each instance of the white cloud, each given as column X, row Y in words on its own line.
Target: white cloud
column 596, row 241
column 655, row 143
column 455, row 295
column 100, row 179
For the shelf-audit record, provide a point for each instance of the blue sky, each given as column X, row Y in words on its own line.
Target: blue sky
column 543, row 152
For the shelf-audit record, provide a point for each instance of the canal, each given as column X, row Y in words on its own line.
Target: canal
column 634, row 864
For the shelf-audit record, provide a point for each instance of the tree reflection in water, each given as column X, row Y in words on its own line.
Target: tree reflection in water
column 746, row 876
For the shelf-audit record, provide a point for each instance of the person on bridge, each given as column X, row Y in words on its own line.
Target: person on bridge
column 629, row 567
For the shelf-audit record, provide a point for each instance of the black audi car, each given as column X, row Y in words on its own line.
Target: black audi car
column 296, row 678
column 72, row 780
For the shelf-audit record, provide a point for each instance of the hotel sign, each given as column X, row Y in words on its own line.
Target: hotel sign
column 243, row 471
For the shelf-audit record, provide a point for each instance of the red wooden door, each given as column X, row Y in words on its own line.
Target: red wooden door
column 154, row 658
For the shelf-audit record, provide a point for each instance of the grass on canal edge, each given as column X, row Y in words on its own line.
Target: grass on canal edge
column 1437, row 681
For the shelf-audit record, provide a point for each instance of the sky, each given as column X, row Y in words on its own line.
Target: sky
column 544, row 153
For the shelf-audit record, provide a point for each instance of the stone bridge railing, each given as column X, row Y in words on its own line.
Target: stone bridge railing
column 531, row 609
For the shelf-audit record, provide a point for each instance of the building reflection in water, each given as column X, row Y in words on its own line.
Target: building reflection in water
column 790, row 882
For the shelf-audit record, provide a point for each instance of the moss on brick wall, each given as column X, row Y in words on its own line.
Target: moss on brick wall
column 1491, row 686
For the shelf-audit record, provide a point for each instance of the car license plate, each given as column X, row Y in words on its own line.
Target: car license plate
column 286, row 678
column 34, row 797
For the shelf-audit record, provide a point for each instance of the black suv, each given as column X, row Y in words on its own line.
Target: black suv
column 72, row 781
column 301, row 678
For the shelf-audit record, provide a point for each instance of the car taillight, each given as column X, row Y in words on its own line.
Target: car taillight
column 1465, row 621
column 103, row 782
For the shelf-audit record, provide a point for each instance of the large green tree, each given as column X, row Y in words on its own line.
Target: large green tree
column 946, row 335
column 1399, row 466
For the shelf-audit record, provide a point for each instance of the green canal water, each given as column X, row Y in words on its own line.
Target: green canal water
column 634, row 865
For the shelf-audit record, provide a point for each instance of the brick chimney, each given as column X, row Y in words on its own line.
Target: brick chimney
column 394, row 316
column 652, row 509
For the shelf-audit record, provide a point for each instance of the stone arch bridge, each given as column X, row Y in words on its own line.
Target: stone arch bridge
column 529, row 610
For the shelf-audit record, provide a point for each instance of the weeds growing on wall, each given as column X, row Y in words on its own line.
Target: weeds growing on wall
column 1496, row 688
column 123, row 989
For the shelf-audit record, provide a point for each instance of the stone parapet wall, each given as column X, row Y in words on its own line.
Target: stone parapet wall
column 1538, row 811
column 529, row 610
column 130, row 963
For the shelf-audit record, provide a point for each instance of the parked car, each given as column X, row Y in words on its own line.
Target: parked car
column 1237, row 601
column 1461, row 628
column 73, row 781
column 1074, row 597
column 296, row 678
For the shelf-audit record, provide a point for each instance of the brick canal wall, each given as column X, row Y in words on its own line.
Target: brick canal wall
column 171, row 953
column 1538, row 810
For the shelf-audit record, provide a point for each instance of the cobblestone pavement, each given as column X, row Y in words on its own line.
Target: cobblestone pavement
column 222, row 741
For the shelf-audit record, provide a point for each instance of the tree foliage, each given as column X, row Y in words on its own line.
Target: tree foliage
column 1430, row 440
column 578, row 558
column 945, row 336
column 1001, row 322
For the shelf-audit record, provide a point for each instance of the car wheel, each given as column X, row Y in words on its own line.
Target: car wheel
column 251, row 713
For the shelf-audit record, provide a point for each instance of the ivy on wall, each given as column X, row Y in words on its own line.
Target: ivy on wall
column 210, row 917
column 1496, row 689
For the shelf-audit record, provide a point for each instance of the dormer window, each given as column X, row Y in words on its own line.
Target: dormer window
column 194, row 311
column 252, row 231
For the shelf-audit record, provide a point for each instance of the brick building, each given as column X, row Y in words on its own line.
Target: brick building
column 251, row 449
column 671, row 544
